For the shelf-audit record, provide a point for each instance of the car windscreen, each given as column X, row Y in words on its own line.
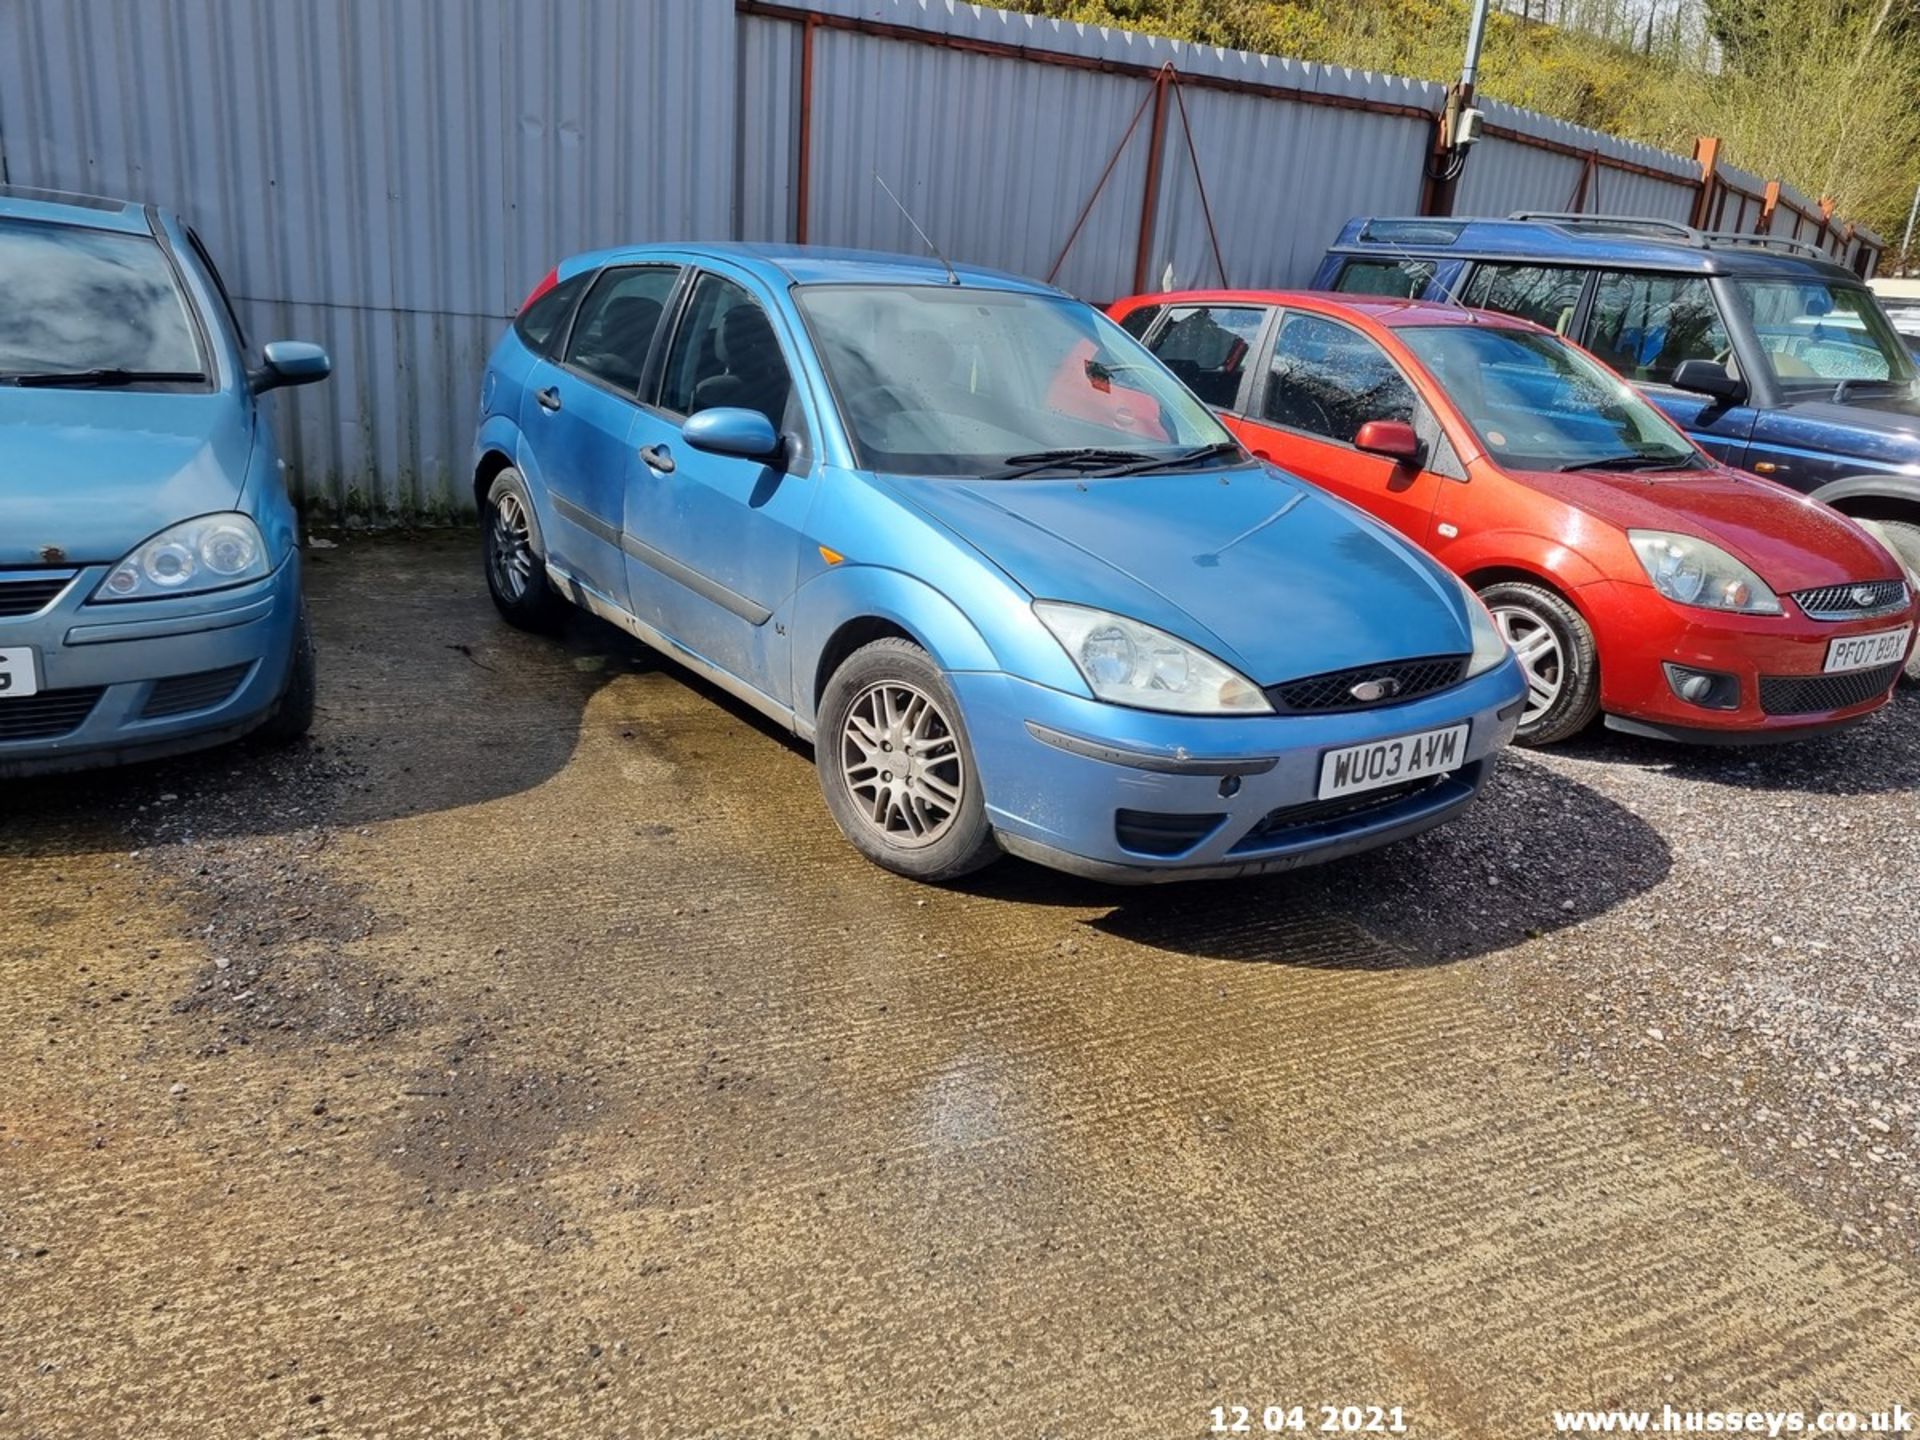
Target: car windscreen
column 75, row 301
column 951, row 380
column 1814, row 334
column 1537, row 403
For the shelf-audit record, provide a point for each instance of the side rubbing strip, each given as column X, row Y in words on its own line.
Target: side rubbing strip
column 751, row 611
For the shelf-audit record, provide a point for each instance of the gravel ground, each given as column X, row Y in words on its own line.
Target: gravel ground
column 526, row 1055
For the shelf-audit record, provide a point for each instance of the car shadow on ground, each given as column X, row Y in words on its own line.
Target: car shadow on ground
column 429, row 702
column 1536, row 853
column 1880, row 754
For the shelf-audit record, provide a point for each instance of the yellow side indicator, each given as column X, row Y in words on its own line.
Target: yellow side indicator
column 832, row 557
column 1765, row 467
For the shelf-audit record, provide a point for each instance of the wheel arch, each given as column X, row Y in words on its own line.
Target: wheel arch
column 1874, row 497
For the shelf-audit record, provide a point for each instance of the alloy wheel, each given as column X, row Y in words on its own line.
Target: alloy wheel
column 1541, row 658
column 901, row 763
column 510, row 547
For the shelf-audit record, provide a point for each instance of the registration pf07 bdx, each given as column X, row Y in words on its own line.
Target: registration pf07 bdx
column 1379, row 763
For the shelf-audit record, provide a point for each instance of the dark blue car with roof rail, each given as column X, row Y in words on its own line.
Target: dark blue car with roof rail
column 1772, row 356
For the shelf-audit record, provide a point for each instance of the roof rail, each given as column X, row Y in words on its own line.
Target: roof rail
column 1661, row 229
column 1625, row 224
column 1769, row 242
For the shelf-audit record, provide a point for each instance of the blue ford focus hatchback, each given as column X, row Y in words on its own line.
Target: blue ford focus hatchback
column 149, row 573
column 1015, row 583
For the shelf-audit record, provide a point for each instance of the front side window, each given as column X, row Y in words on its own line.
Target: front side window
column 1402, row 279
column 1207, row 347
column 74, row 300
column 616, row 324
column 944, row 380
column 1328, row 379
column 1814, row 333
column 1544, row 294
column 1537, row 403
column 1645, row 325
column 726, row 353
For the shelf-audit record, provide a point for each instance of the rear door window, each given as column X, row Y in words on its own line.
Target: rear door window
column 1328, row 379
column 1139, row 321
column 1548, row 295
column 1644, row 325
column 539, row 323
column 1403, row 279
column 617, row 323
column 1207, row 346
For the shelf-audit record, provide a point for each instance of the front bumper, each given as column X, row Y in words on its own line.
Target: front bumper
column 1640, row 632
column 1059, row 771
column 151, row 678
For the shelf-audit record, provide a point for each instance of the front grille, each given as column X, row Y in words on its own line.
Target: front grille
column 1812, row 694
column 48, row 715
column 1275, row 825
column 1408, row 680
column 1853, row 602
column 183, row 694
column 29, row 592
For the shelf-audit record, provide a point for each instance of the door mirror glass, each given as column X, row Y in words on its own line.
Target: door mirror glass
column 1705, row 377
column 291, row 362
column 731, row 430
column 1392, row 438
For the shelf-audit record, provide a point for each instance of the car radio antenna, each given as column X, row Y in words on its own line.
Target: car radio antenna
column 953, row 275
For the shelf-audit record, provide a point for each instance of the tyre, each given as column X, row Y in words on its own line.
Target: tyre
column 1902, row 537
column 896, row 766
column 514, row 557
column 1556, row 650
column 292, row 715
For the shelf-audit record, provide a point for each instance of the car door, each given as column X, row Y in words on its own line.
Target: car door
column 713, row 541
column 1325, row 379
column 1644, row 324
column 578, row 412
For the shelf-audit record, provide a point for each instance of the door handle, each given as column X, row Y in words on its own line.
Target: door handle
column 658, row 457
column 549, row 398
column 1263, row 455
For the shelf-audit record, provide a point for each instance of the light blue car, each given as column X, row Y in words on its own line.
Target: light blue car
column 1016, row 584
column 149, row 566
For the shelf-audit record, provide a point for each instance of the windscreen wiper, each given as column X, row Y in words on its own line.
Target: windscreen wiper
column 1215, row 451
column 101, row 378
column 1085, row 457
column 1638, row 460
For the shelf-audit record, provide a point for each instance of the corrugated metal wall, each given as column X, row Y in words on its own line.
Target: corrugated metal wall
column 386, row 179
column 389, row 177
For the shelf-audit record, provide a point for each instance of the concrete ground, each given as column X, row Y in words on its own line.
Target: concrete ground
column 528, row 1057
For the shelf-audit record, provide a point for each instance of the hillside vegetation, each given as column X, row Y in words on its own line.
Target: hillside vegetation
column 1824, row 94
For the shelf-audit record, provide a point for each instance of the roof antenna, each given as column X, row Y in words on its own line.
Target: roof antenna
column 953, row 276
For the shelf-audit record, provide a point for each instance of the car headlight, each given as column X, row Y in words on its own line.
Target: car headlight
column 1489, row 645
column 190, row 558
column 1128, row 663
column 1687, row 569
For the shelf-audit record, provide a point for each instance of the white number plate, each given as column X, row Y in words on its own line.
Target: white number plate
column 1388, row 762
column 18, row 678
column 1863, row 652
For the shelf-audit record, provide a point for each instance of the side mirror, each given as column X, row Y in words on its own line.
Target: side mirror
column 1392, row 438
column 728, row 430
column 290, row 362
column 1704, row 377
